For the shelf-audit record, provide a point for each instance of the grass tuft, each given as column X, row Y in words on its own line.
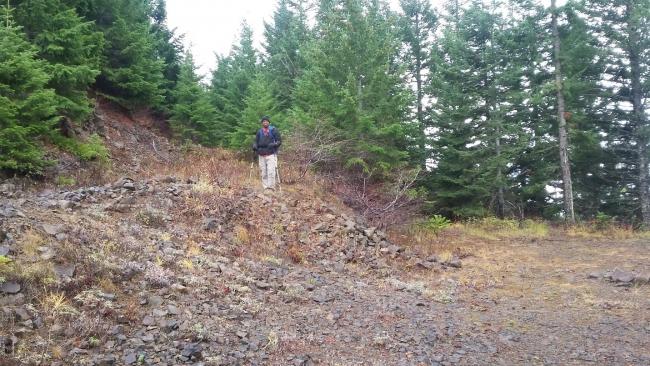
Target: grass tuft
column 296, row 254
column 63, row 181
column 55, row 304
column 203, row 187
column 494, row 228
column 241, row 236
column 31, row 242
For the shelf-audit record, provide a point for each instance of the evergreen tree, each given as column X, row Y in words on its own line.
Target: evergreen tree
column 284, row 38
column 623, row 28
column 27, row 106
column 471, row 147
column 192, row 116
column 219, row 94
column 259, row 102
column 230, row 82
column 562, row 125
column 582, row 65
column 418, row 25
column 71, row 47
column 168, row 48
column 132, row 74
column 352, row 84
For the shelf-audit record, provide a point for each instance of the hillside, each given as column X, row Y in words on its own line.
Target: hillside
column 175, row 255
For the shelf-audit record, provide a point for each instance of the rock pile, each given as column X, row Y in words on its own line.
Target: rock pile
column 621, row 277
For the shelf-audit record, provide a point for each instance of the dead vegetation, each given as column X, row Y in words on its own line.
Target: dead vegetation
column 506, row 264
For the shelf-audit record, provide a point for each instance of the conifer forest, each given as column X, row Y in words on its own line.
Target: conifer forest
column 506, row 108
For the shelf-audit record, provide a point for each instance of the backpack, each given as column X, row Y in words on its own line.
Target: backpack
column 271, row 132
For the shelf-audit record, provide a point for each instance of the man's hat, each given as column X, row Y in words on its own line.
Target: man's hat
column 265, row 118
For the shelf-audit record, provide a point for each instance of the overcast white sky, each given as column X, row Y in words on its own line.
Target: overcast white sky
column 213, row 25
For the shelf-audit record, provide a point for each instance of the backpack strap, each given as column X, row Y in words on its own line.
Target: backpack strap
column 272, row 132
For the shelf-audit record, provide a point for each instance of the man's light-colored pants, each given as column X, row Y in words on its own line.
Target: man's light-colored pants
column 268, row 165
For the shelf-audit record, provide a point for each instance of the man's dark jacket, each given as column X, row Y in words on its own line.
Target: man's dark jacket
column 267, row 144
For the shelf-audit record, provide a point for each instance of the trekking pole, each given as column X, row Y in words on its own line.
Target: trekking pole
column 250, row 171
column 277, row 175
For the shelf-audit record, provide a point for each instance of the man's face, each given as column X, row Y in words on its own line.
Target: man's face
column 265, row 124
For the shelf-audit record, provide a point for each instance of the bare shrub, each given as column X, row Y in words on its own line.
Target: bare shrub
column 383, row 202
column 307, row 147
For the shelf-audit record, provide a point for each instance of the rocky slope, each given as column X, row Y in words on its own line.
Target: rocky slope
column 201, row 267
column 179, row 258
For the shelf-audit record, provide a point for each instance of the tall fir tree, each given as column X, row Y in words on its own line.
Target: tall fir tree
column 582, row 65
column 418, row 25
column 284, row 38
column 168, row 48
column 567, row 185
column 622, row 27
column 192, row 116
column 352, row 84
column 259, row 102
column 131, row 74
column 230, row 83
column 468, row 153
column 72, row 48
column 27, row 106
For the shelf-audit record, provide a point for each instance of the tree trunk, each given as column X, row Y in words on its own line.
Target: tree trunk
column 641, row 128
column 418, row 82
column 7, row 15
column 359, row 95
column 564, row 138
column 501, row 202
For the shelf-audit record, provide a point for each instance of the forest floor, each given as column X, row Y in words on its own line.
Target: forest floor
column 180, row 258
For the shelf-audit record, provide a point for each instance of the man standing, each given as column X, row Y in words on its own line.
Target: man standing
column 266, row 145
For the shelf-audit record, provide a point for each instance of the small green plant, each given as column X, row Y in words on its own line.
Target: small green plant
column 93, row 341
column 63, row 181
column 92, row 149
column 272, row 341
column 603, row 221
column 5, row 267
column 199, row 332
column 437, row 223
column 151, row 218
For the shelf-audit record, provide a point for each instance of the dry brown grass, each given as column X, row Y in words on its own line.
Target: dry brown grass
column 132, row 308
column 30, row 242
column 151, row 218
column 209, row 167
column 193, row 249
column 107, row 285
column 55, row 304
column 186, row 263
column 36, row 274
column 57, row 352
column 614, row 232
column 241, row 235
column 296, row 253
